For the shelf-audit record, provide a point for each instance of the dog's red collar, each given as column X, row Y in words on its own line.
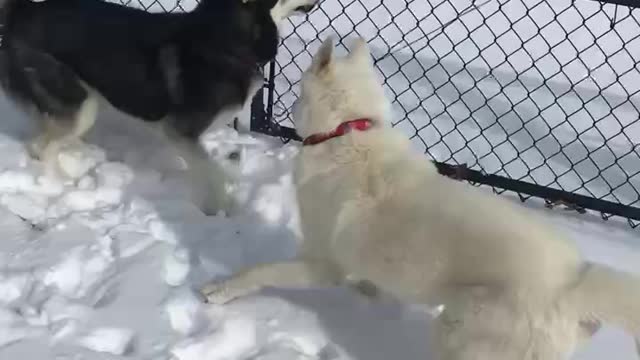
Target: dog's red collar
column 345, row 127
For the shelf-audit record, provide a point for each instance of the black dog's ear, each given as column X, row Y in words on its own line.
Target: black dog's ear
column 265, row 37
column 263, row 5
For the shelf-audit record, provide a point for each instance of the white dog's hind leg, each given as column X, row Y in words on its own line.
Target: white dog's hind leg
column 290, row 274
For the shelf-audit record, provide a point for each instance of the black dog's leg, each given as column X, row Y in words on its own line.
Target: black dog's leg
column 66, row 109
column 206, row 175
column 58, row 131
column 243, row 117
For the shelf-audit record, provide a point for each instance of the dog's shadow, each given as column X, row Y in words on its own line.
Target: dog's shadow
column 225, row 244
column 364, row 329
column 15, row 123
column 217, row 245
column 220, row 246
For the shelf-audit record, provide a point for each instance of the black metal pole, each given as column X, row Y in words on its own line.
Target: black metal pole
column 630, row 3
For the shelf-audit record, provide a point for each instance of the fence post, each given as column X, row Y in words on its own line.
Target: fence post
column 261, row 112
column 258, row 116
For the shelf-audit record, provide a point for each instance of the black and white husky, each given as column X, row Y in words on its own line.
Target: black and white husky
column 181, row 70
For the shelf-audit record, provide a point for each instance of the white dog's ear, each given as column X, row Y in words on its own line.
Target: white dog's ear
column 360, row 50
column 323, row 59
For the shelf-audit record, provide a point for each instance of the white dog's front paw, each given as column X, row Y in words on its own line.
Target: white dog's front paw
column 218, row 293
column 36, row 146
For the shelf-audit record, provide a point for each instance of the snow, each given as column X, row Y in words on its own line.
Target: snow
column 106, row 340
column 106, row 265
column 105, row 262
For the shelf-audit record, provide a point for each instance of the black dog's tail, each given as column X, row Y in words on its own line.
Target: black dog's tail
column 4, row 4
column 5, row 7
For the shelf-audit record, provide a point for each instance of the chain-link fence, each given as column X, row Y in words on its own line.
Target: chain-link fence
column 543, row 95
column 159, row 5
column 540, row 97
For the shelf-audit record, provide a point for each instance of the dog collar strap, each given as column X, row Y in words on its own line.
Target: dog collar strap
column 344, row 128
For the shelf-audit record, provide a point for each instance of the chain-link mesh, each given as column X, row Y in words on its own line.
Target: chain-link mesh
column 159, row 5
column 542, row 91
column 534, row 92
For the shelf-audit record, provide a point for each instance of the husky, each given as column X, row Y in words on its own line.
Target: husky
column 375, row 212
column 182, row 71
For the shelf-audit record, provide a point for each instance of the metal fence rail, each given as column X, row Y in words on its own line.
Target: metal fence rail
column 538, row 97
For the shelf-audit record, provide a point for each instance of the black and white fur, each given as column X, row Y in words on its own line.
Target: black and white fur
column 181, row 70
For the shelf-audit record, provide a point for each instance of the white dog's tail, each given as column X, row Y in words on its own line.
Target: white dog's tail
column 605, row 295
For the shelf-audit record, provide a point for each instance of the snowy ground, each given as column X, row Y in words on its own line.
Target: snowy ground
column 104, row 267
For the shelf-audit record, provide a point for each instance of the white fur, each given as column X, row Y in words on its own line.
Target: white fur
column 374, row 211
column 58, row 132
column 244, row 114
column 206, row 176
column 286, row 8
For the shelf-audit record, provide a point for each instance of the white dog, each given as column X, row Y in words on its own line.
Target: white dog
column 374, row 212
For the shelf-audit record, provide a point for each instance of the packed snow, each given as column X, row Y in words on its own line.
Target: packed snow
column 106, row 263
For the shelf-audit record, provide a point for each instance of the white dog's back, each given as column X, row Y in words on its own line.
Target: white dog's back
column 386, row 199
